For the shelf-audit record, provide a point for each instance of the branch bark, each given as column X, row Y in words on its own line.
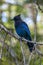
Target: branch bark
column 15, row 36
column 22, row 39
column 39, row 6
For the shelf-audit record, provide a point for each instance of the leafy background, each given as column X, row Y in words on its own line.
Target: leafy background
column 8, row 11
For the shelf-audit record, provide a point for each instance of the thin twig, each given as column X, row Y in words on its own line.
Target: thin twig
column 30, row 57
column 22, row 52
column 3, row 46
column 13, row 54
column 40, row 60
column 7, row 31
column 13, row 35
column 38, row 4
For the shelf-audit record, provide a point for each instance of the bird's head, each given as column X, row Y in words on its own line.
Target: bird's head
column 16, row 18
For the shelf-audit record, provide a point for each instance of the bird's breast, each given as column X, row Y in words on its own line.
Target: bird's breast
column 17, row 24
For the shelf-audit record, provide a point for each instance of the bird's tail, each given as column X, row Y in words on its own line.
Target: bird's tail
column 31, row 46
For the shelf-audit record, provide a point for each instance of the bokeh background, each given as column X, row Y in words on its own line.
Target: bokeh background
column 9, row 9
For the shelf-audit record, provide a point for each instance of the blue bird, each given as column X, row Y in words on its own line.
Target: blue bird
column 23, row 31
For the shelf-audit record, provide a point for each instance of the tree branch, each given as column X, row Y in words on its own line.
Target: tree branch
column 13, row 35
column 37, row 43
column 22, row 52
column 39, row 6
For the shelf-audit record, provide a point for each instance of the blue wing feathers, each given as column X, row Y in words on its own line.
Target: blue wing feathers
column 23, row 31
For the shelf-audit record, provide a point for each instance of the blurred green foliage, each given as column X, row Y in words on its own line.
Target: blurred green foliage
column 11, row 12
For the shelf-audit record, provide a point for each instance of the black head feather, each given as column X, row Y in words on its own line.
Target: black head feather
column 16, row 18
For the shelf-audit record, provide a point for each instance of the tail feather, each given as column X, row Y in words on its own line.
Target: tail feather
column 31, row 46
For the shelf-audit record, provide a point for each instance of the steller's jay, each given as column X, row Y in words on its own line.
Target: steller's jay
column 23, row 31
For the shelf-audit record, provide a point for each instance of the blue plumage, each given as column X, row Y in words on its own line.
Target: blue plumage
column 23, row 30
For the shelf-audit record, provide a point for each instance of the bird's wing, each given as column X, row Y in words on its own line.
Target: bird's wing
column 24, row 31
column 25, row 27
